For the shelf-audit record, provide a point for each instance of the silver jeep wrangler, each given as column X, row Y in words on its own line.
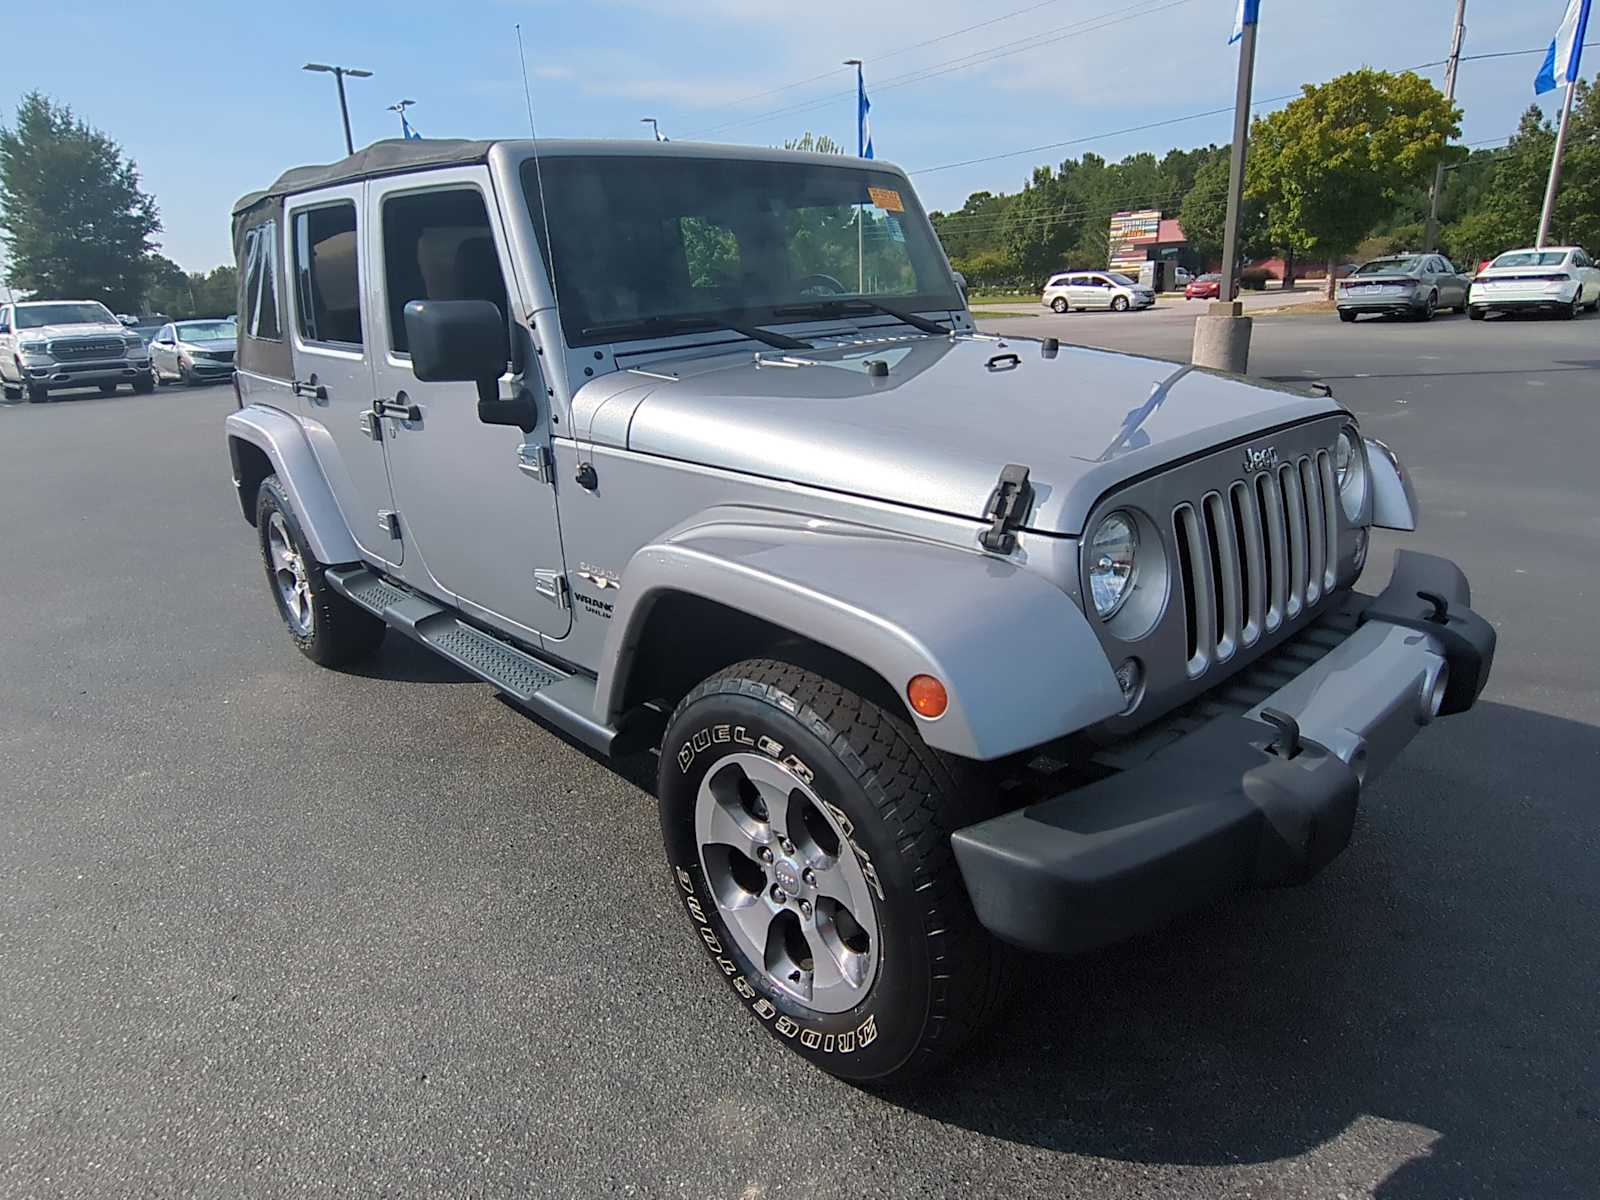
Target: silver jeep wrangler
column 947, row 644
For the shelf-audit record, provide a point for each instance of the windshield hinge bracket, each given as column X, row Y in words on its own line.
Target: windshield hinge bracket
column 1006, row 510
column 535, row 461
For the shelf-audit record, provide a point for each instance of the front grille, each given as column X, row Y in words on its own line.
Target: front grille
column 71, row 348
column 1255, row 555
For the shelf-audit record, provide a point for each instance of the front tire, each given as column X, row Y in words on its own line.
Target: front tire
column 327, row 628
column 1119, row 304
column 38, row 393
column 808, row 835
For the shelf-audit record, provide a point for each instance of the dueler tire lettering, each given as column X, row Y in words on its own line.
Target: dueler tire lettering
column 939, row 975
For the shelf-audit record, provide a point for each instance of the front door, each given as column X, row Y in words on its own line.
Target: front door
column 478, row 520
column 332, row 331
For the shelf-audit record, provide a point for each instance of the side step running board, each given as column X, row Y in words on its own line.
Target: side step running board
column 564, row 699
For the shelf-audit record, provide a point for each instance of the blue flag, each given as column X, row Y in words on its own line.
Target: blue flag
column 1560, row 66
column 863, row 126
column 405, row 126
column 1246, row 15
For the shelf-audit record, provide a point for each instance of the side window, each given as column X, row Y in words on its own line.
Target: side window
column 260, row 284
column 1101, row 281
column 437, row 246
column 327, row 277
column 1076, row 281
column 5, row 320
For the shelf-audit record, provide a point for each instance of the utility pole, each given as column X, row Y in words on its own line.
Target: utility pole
column 1452, row 64
column 1555, row 169
column 1222, row 335
column 338, row 74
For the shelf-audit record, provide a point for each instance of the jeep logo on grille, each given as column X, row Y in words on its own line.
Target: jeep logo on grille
column 1260, row 460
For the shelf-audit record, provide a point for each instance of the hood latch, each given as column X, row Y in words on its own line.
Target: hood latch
column 1008, row 506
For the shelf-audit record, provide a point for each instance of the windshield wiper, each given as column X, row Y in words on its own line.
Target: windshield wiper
column 663, row 325
column 829, row 308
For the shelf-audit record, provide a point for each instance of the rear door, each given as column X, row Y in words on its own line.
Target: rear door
column 330, row 330
column 480, row 520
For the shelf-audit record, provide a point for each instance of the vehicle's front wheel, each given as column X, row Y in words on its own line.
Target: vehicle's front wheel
column 1119, row 304
column 37, row 393
column 328, row 629
column 808, row 835
column 108, row 389
column 1059, row 304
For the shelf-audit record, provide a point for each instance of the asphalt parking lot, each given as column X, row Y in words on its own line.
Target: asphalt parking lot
column 273, row 930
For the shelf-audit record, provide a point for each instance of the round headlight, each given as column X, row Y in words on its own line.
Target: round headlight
column 1350, row 473
column 1113, row 551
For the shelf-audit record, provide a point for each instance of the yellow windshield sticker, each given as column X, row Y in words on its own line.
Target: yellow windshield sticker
column 887, row 199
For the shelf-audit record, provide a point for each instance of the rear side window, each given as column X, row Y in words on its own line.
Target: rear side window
column 260, row 314
column 327, row 275
column 437, row 246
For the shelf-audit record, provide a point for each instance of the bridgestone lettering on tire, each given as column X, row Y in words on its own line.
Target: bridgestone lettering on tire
column 327, row 628
column 807, row 833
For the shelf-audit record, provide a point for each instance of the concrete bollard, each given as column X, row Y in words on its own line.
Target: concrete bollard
column 1222, row 337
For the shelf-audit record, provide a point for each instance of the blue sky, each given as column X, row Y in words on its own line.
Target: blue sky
column 210, row 100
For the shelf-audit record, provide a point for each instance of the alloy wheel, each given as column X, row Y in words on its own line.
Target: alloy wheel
column 787, row 882
column 289, row 574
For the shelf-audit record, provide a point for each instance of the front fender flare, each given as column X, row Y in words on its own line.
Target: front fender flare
column 279, row 436
column 1016, row 655
column 1394, row 502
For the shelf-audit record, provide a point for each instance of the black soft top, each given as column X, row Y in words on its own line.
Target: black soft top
column 381, row 158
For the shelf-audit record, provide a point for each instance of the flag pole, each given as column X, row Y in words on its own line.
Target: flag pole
column 1555, row 169
column 861, row 152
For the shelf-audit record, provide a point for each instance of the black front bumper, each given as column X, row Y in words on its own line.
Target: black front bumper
column 1238, row 803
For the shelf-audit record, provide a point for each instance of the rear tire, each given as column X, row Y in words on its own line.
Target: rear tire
column 327, row 628
column 1346, row 315
column 808, row 835
column 1475, row 312
column 1059, row 304
column 1569, row 312
column 1429, row 307
column 145, row 384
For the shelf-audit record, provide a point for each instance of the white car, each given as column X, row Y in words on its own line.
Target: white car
column 1558, row 279
column 1095, row 289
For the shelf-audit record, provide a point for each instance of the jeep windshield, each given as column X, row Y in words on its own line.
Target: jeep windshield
column 37, row 316
column 650, row 245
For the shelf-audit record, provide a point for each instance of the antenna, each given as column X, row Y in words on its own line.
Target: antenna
column 538, row 172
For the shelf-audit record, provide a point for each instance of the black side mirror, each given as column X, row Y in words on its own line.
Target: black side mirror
column 465, row 341
column 456, row 341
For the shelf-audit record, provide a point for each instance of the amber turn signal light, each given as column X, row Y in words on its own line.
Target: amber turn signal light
column 927, row 695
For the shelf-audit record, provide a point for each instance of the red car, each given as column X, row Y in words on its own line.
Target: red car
column 1203, row 287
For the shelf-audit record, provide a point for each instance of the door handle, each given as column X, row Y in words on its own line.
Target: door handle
column 311, row 388
column 400, row 407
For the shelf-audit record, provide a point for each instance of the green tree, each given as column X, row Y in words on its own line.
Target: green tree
column 1040, row 227
column 1330, row 164
column 72, row 216
column 815, row 143
column 1204, row 214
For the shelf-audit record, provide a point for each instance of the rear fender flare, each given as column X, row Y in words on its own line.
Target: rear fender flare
column 279, row 436
column 1017, row 657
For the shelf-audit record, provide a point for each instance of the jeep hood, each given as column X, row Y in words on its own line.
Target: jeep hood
column 936, row 430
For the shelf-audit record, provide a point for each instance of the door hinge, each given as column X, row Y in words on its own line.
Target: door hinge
column 552, row 585
column 371, row 426
column 389, row 522
column 535, row 461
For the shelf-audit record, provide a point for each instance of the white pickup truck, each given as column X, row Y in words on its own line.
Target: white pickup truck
column 54, row 344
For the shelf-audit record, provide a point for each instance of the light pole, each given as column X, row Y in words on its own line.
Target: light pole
column 338, row 74
column 1451, row 66
column 655, row 127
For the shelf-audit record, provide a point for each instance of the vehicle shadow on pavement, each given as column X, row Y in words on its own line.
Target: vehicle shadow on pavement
column 1441, row 975
column 400, row 659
